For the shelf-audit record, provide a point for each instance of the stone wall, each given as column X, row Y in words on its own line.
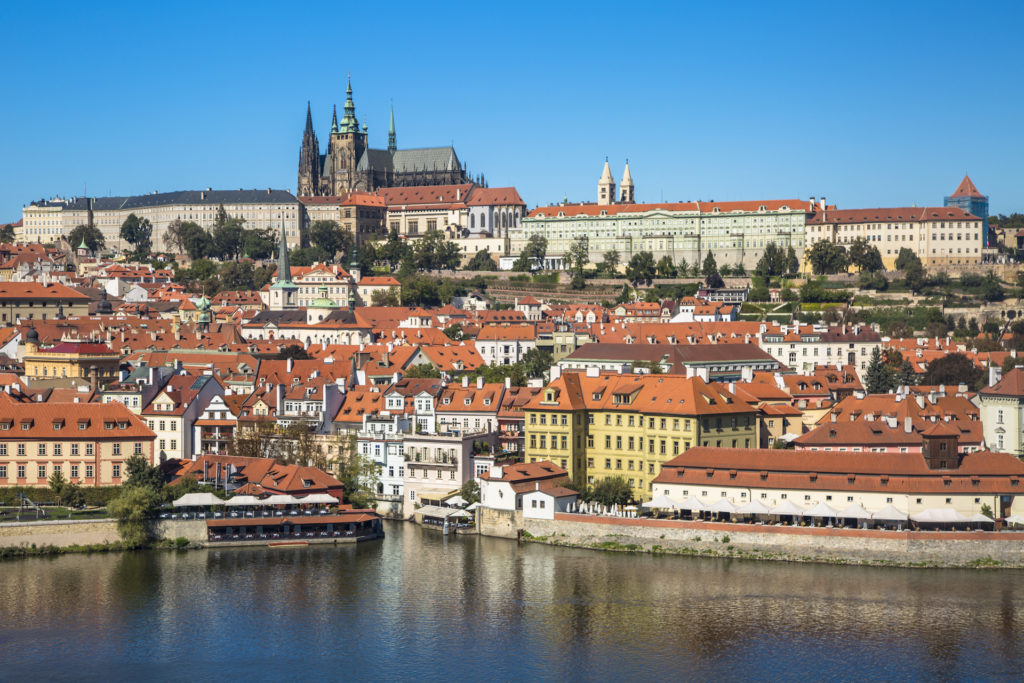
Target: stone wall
column 192, row 529
column 59, row 533
column 501, row 523
column 810, row 544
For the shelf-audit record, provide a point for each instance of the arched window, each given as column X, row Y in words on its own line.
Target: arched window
column 472, row 221
column 504, row 220
column 483, row 220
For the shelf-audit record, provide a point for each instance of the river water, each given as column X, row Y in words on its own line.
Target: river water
column 420, row 606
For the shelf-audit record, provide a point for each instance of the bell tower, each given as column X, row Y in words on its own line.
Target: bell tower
column 626, row 188
column 348, row 142
column 606, row 186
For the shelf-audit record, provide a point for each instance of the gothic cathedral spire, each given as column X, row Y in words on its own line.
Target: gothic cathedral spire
column 392, row 138
column 309, row 158
column 606, row 186
column 626, row 193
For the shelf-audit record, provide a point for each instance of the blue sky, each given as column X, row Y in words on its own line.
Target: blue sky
column 869, row 104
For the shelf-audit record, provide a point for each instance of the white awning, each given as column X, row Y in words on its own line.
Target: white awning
column 438, row 512
column 663, row 502
column 1014, row 519
column 318, row 499
column 197, row 500
column 473, row 506
column 281, row 499
column 854, row 511
column 456, row 501
column 787, row 507
column 982, row 519
column 939, row 516
column 722, row 505
column 754, row 507
column 822, row 510
column 250, row 501
column 890, row 514
column 692, row 504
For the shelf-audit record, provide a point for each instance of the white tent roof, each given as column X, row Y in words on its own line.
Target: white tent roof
column 787, row 507
column 938, row 515
column 243, row 500
column 890, row 514
column 982, row 518
column 1015, row 519
column 692, row 504
column 456, row 500
column 722, row 505
column 754, row 507
column 281, row 499
column 854, row 510
column 822, row 510
column 473, row 506
column 196, row 500
column 663, row 502
column 318, row 498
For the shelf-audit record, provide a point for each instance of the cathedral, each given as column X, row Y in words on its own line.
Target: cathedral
column 350, row 165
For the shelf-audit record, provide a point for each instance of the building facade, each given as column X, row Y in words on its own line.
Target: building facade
column 967, row 198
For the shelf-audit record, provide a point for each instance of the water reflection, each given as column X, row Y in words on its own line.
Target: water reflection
column 421, row 605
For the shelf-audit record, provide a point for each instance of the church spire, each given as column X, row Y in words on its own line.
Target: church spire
column 284, row 271
column 309, row 120
column 626, row 195
column 606, row 186
column 349, row 122
column 392, row 138
column 334, row 120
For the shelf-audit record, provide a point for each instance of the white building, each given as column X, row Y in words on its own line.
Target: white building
column 1002, row 411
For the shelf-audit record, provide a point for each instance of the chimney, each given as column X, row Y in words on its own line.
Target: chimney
column 833, row 416
column 822, row 203
column 920, row 402
column 480, row 382
column 908, row 425
column 465, row 381
column 288, row 365
column 508, row 382
column 995, row 373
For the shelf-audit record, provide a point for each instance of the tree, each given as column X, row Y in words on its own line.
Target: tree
column 386, row 297
column 258, row 244
column 177, row 235
column 328, row 236
column 879, row 378
column 253, row 442
column 423, row 371
column 532, row 256
column 865, row 256
column 358, row 473
column 792, row 262
column 709, row 266
column 133, row 509
column 454, row 332
column 138, row 233
column 714, row 280
column 665, row 267
column 612, row 491
column 238, row 275
column 482, row 261
column 536, row 363
column 7, row 233
column 826, row 258
column 57, row 484
column 229, row 238
column 140, row 473
column 198, row 243
column 291, row 351
column 579, row 256
column 610, row 262
column 470, row 492
column 92, row 235
column 640, row 268
column 434, row 252
column 913, row 275
column 307, row 256
column 992, row 289
column 393, row 250
column 905, row 257
column 956, row 368
column 773, row 262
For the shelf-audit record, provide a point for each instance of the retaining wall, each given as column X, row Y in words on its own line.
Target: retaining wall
column 500, row 523
column 59, row 533
column 811, row 544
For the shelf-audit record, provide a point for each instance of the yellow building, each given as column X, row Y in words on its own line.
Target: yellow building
column 36, row 301
column 70, row 360
column 608, row 425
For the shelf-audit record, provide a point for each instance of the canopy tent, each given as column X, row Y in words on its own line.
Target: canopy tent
column 197, row 500
column 438, row 512
column 318, row 499
column 822, row 510
column 243, row 501
column 754, row 507
column 472, row 506
column 1014, row 519
column 456, row 501
column 787, row 507
column 281, row 499
column 890, row 514
column 662, row 501
column 692, row 504
column 982, row 519
column 939, row 516
column 722, row 505
column 854, row 511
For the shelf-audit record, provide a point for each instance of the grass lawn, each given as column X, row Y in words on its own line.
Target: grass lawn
column 53, row 512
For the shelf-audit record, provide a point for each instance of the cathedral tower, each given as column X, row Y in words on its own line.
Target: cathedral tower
column 606, row 186
column 309, row 159
column 626, row 195
column 348, row 143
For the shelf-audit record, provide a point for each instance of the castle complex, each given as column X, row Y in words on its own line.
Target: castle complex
column 351, row 165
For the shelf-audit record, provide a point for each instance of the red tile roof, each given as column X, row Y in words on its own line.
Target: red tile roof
column 966, row 188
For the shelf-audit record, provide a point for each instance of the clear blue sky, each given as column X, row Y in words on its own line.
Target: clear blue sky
column 869, row 104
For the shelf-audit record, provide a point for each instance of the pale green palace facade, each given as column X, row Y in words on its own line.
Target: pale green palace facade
column 736, row 232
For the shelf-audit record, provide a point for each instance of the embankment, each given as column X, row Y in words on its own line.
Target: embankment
column 797, row 544
column 93, row 532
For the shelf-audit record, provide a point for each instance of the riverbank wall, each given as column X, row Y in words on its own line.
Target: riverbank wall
column 92, row 532
column 797, row 544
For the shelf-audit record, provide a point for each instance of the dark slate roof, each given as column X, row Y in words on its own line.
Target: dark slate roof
column 279, row 317
column 409, row 160
column 211, row 198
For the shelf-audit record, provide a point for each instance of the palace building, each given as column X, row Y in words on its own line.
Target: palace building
column 349, row 163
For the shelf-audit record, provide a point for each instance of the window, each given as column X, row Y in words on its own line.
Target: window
column 88, row 449
column 21, row 471
column 3, row 471
column 74, row 471
column 3, row 449
column 74, row 449
column 88, row 471
column 138, row 448
column 42, row 471
column 57, row 449
column 21, row 449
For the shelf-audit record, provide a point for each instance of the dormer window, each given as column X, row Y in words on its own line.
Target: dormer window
column 58, row 424
column 83, row 425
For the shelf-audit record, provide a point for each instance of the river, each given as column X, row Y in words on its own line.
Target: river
column 420, row 606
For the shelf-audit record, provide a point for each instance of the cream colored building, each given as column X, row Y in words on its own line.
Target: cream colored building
column 261, row 209
column 940, row 236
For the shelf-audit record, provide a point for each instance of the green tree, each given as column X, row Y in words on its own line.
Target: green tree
column 422, row 371
column 792, row 262
column 612, row 491
column 772, row 263
column 258, row 244
column 91, row 234
column 308, row 256
column 709, row 266
column 434, row 252
column 138, row 233
column 386, row 297
column 992, row 289
column 640, row 269
column 665, row 267
column 536, row 363
column 914, row 277
column 865, row 256
column 199, row 244
column 454, row 332
column 229, row 238
column 134, row 509
column 140, row 473
column 905, row 257
column 714, row 280
column 7, row 234
column 579, row 256
column 827, row 258
column 532, row 256
column 482, row 261
column 291, row 351
column 328, row 236
column 610, row 262
column 238, row 275
column 393, row 250
column 358, row 473
column 955, row 368
column 470, row 492
column 57, row 484
column 879, row 378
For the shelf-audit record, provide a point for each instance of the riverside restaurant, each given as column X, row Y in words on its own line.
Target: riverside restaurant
column 342, row 526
